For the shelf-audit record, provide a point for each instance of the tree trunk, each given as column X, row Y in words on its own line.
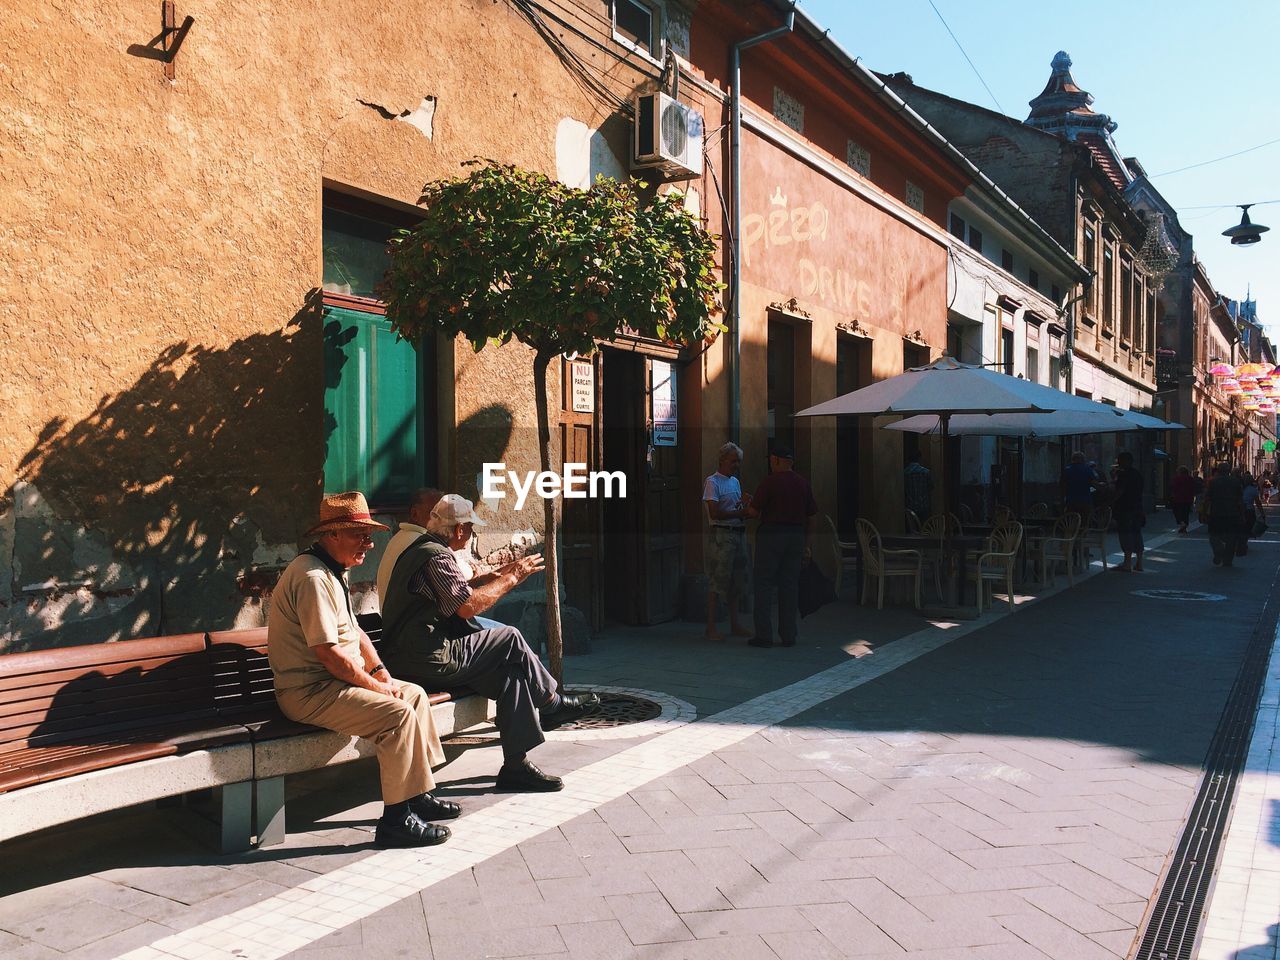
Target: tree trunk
column 555, row 642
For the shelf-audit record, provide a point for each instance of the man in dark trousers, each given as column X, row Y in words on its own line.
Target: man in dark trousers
column 1224, row 499
column 429, row 632
column 1128, row 513
column 786, row 508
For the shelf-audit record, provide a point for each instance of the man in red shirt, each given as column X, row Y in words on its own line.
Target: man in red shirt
column 785, row 505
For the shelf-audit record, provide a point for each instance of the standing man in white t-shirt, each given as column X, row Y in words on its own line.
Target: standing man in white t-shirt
column 727, row 544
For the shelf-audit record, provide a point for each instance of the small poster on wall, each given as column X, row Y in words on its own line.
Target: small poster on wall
column 662, row 394
column 584, row 387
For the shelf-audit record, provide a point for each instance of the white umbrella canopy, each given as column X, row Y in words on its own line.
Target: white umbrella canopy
column 948, row 387
column 1060, row 423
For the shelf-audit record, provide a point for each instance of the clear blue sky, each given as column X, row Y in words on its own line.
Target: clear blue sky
column 1186, row 82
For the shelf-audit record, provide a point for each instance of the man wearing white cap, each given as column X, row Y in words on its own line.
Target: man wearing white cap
column 430, row 633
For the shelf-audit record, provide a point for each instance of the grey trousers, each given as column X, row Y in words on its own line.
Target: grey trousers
column 497, row 664
column 779, row 553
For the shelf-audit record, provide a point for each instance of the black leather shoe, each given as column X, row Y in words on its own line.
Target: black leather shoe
column 524, row 777
column 571, row 708
column 428, row 807
column 758, row 642
column 407, row 830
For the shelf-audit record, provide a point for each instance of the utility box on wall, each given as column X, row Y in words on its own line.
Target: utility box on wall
column 668, row 137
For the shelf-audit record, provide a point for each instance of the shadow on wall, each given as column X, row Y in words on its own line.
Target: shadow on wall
column 162, row 510
column 484, row 437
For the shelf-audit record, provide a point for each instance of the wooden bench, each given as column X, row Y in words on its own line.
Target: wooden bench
column 94, row 728
column 242, row 685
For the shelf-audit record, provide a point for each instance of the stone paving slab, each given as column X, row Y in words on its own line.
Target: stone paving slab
column 998, row 797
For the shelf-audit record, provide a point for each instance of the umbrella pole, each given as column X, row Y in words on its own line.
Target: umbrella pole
column 944, row 423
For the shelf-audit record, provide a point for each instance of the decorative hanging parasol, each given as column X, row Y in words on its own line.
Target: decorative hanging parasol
column 1222, row 370
column 1254, row 370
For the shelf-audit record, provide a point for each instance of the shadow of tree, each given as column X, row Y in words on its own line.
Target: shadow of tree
column 483, row 437
column 155, row 511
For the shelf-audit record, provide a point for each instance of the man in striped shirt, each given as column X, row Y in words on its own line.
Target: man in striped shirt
column 431, row 633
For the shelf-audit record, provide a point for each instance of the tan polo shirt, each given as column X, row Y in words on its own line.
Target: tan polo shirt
column 308, row 608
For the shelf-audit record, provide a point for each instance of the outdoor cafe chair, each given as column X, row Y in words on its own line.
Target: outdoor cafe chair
column 1003, row 514
column 996, row 564
column 942, row 526
column 1038, row 511
column 1057, row 548
column 881, row 563
column 1095, row 533
column 973, row 554
column 844, row 553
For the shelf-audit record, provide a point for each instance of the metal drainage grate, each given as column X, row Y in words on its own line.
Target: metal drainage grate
column 1163, row 594
column 1173, row 925
column 616, row 710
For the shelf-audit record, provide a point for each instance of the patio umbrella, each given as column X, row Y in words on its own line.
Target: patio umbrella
column 947, row 388
column 1060, row 423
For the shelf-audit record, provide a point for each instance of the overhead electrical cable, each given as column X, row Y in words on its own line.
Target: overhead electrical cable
column 1205, row 163
column 966, row 57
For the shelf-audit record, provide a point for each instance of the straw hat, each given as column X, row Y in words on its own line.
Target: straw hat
column 345, row 511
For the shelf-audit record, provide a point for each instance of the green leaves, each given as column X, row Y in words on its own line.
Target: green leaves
column 507, row 253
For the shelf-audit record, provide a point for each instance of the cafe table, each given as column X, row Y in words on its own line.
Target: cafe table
column 957, row 546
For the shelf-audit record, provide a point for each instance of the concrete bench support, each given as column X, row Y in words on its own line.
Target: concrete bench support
column 237, row 817
column 268, row 811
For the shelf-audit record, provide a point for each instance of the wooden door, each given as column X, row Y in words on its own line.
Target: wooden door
column 580, row 517
column 662, row 514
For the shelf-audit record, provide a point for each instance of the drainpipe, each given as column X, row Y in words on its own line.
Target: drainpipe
column 735, row 217
column 1069, row 311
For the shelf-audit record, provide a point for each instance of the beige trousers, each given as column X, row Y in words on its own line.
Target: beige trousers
column 402, row 731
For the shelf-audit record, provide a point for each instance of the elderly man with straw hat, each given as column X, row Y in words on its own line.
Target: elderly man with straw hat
column 327, row 673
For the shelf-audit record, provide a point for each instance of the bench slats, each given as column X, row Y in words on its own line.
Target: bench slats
column 72, row 710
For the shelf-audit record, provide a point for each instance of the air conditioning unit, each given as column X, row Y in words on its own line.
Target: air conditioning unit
column 668, row 137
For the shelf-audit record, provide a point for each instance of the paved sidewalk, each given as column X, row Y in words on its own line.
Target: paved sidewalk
column 1005, row 788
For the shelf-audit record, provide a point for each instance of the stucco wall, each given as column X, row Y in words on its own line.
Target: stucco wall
column 842, row 259
column 160, row 370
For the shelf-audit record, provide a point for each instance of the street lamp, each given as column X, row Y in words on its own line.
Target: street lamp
column 1246, row 231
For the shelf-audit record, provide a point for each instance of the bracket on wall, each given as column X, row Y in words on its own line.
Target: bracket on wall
column 854, row 329
column 791, row 308
column 164, row 46
column 916, row 336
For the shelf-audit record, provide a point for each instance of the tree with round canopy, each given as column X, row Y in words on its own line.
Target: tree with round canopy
column 506, row 254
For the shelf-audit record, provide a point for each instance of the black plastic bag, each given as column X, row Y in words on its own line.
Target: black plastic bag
column 815, row 589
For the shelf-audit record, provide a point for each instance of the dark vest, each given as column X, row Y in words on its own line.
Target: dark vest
column 411, row 621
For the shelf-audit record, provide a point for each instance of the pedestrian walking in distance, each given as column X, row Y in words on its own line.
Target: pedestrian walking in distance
column 1182, row 496
column 1127, row 510
column 1224, row 503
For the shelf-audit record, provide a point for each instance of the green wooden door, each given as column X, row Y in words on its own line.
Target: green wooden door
column 374, row 424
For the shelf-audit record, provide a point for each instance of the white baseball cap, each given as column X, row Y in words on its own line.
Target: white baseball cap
column 454, row 509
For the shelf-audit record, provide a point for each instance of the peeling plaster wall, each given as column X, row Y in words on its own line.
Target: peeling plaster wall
column 160, row 368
